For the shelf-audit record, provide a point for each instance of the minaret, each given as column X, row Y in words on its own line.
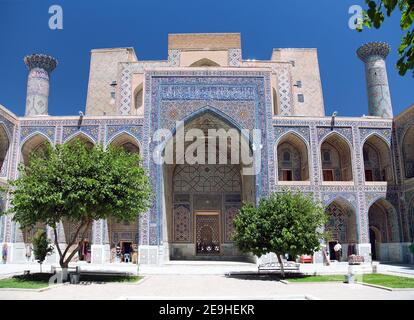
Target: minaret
column 40, row 66
column 373, row 54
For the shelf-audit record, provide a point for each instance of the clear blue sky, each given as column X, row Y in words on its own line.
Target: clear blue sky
column 144, row 25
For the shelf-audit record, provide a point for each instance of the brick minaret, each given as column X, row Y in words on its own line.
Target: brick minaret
column 373, row 54
column 40, row 66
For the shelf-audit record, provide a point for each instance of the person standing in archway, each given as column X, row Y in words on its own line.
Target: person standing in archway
column 338, row 251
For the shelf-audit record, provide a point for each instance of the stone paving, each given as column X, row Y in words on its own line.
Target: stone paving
column 206, row 280
column 209, row 287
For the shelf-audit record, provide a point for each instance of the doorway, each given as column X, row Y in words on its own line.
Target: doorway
column 327, row 175
column 126, row 250
column 372, row 240
column 207, row 233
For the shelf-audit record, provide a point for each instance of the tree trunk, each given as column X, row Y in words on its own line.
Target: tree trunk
column 64, row 263
column 40, row 267
column 282, row 269
column 74, row 240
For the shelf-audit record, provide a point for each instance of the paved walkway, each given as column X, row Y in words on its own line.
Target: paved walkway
column 209, row 287
column 208, row 268
column 206, row 280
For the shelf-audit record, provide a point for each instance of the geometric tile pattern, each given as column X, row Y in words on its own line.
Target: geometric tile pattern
column 284, row 83
column 230, row 214
column 182, row 223
column 235, row 57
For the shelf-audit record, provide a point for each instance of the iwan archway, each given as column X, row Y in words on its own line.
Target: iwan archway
column 205, row 183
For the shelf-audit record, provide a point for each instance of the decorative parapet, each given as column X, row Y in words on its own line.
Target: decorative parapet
column 373, row 49
column 41, row 61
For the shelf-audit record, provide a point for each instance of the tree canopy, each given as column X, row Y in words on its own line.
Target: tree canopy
column 374, row 16
column 286, row 222
column 79, row 184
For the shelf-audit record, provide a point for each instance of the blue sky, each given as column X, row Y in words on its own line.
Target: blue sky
column 144, row 25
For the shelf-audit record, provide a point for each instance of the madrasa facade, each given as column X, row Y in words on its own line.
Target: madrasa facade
column 361, row 168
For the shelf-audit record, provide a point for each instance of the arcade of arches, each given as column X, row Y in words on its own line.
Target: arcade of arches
column 121, row 233
column 201, row 200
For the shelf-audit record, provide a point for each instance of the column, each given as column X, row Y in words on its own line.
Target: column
column 373, row 54
column 40, row 66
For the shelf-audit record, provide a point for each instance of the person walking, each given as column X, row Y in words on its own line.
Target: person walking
column 4, row 253
column 29, row 250
column 338, row 251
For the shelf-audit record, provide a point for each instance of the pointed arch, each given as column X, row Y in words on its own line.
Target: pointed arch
column 123, row 234
column 139, row 98
column 408, row 152
column 4, row 144
column 384, row 230
column 35, row 143
column 292, row 154
column 216, row 187
column 204, row 62
column 83, row 137
column 343, row 201
column 342, row 227
column 383, row 215
column 377, row 159
column 214, row 112
column 126, row 141
column 336, row 158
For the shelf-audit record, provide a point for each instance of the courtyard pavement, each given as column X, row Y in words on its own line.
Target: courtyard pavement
column 209, row 287
column 207, row 280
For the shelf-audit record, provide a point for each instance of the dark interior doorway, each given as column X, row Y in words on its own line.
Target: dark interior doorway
column 331, row 250
column 372, row 240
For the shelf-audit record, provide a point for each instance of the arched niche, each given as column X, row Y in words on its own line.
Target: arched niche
column 292, row 158
column 377, row 160
column 37, row 144
column 336, row 159
column 408, row 152
column 4, row 145
column 341, row 227
column 139, row 99
column 89, row 143
column 126, row 142
column 384, row 229
column 209, row 193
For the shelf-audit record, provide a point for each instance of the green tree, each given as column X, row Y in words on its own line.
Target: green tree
column 41, row 247
column 285, row 222
column 374, row 16
column 79, row 184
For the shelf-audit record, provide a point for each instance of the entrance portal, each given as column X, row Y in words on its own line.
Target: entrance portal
column 203, row 197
